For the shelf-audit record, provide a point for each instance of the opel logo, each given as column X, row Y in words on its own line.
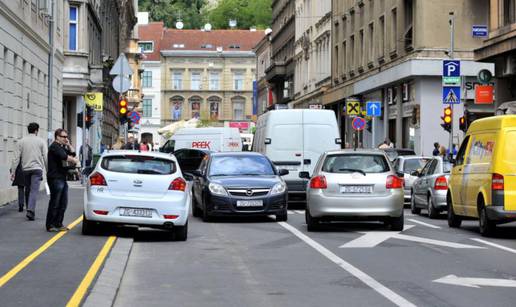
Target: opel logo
column 249, row 192
column 137, row 181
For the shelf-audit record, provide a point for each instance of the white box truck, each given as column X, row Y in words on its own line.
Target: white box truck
column 213, row 139
column 294, row 139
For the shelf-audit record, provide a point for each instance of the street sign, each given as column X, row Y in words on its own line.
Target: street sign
column 121, row 84
column 134, row 116
column 121, row 67
column 451, row 81
column 374, row 108
column 358, row 123
column 451, row 68
column 479, row 31
column 94, row 100
column 484, row 76
column 353, row 107
column 451, row 95
column 484, row 94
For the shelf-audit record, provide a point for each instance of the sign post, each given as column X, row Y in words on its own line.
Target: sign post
column 122, row 84
column 374, row 110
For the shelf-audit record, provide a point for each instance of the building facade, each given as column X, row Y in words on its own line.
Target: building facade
column 208, row 75
column 313, row 52
column 24, row 77
column 280, row 73
column 263, row 61
column 392, row 51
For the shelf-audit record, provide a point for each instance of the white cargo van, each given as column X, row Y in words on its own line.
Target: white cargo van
column 294, row 139
column 213, row 139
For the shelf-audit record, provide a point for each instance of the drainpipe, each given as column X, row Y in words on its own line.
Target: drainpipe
column 50, row 71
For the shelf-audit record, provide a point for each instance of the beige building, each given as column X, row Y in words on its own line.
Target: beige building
column 208, row 75
column 313, row 52
column 392, row 51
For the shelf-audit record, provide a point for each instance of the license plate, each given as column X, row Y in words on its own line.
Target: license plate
column 249, row 203
column 136, row 212
column 356, row 189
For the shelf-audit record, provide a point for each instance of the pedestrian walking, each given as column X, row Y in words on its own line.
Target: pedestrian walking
column 442, row 151
column 436, row 149
column 61, row 158
column 119, row 144
column 144, row 146
column 18, row 180
column 32, row 152
column 132, row 144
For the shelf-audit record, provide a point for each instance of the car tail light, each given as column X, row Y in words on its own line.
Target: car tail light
column 318, row 182
column 97, row 179
column 101, row 212
column 394, row 182
column 441, row 183
column 497, row 182
column 170, row 217
column 179, row 184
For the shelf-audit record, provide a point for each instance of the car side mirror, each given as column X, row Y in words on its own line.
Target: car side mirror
column 304, row 175
column 283, row 172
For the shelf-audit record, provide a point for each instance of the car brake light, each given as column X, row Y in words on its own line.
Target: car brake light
column 170, row 217
column 101, row 212
column 318, row 182
column 179, row 184
column 394, row 182
column 441, row 183
column 497, row 182
column 97, row 179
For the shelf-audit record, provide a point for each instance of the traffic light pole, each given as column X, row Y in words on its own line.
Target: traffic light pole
column 452, row 47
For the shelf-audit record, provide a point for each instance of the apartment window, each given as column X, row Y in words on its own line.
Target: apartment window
column 361, row 42
column 238, row 78
column 352, row 52
column 72, row 28
column 214, row 103
column 508, row 12
column 195, row 105
column 344, row 53
column 195, row 82
column 147, row 79
column 147, row 107
column 177, row 80
column 214, row 81
column 146, row 47
column 238, row 108
column 394, row 31
column 408, row 32
column 371, row 42
column 352, row 21
column 336, row 57
column 381, row 37
column 176, row 107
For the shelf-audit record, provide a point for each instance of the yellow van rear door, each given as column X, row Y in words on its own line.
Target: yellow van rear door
column 508, row 169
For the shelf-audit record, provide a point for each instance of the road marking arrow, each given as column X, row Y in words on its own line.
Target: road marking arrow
column 373, row 238
column 476, row 282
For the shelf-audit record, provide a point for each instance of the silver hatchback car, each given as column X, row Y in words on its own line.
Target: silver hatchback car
column 351, row 185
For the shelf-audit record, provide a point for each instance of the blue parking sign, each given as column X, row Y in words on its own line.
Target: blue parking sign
column 451, row 68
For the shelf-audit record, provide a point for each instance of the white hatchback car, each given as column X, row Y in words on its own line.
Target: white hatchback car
column 145, row 189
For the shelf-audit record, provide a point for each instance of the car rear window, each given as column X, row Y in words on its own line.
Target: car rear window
column 447, row 166
column 412, row 165
column 134, row 164
column 347, row 163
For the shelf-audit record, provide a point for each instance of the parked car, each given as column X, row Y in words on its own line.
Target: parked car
column 430, row 188
column 145, row 189
column 393, row 153
column 483, row 182
column 190, row 159
column 350, row 184
column 294, row 139
column 245, row 184
column 212, row 138
column 408, row 165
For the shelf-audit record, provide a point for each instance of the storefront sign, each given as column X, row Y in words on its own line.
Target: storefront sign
column 94, row 100
column 484, row 94
column 239, row 125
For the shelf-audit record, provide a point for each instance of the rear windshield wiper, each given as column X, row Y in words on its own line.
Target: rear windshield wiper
column 149, row 171
column 352, row 170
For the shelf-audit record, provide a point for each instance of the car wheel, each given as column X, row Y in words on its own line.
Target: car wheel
column 88, row 227
column 312, row 223
column 283, row 217
column 206, row 217
column 432, row 212
column 454, row 221
column 181, row 232
column 413, row 207
column 487, row 227
column 196, row 211
column 397, row 222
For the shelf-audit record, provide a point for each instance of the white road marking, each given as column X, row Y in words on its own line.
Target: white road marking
column 495, row 245
column 366, row 279
column 424, row 224
column 374, row 238
column 291, row 212
column 299, row 211
column 476, row 282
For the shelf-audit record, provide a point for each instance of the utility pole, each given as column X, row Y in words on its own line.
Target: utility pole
column 452, row 47
column 50, row 71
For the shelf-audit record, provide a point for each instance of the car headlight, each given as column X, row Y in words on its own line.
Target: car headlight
column 217, row 189
column 278, row 188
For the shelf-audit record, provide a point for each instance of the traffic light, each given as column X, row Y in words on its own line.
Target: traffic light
column 89, row 117
column 122, row 110
column 463, row 126
column 447, row 119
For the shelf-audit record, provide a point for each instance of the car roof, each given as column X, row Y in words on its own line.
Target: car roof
column 236, row 153
column 109, row 153
column 409, row 157
column 358, row 150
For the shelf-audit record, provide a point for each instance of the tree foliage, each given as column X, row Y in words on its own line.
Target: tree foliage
column 247, row 13
column 191, row 12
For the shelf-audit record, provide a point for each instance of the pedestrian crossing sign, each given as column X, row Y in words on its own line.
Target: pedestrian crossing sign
column 451, row 94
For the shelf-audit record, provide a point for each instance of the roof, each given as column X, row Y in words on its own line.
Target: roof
column 237, row 153
column 152, row 32
column 493, row 123
column 198, row 40
column 356, row 151
column 108, row 153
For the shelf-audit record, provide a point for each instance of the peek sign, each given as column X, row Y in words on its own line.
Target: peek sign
column 484, row 94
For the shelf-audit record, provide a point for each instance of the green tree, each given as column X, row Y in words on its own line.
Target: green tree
column 191, row 12
column 247, row 13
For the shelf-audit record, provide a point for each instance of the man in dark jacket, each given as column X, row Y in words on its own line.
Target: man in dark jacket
column 61, row 158
column 132, row 144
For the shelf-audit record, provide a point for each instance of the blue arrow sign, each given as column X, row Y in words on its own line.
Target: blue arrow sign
column 451, row 68
column 451, row 95
column 374, row 108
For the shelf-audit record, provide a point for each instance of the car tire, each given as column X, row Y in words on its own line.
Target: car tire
column 181, row 232
column 486, row 226
column 454, row 221
column 397, row 223
column 196, row 211
column 432, row 212
column 413, row 207
column 206, row 217
column 312, row 223
column 88, row 227
column 283, row 217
